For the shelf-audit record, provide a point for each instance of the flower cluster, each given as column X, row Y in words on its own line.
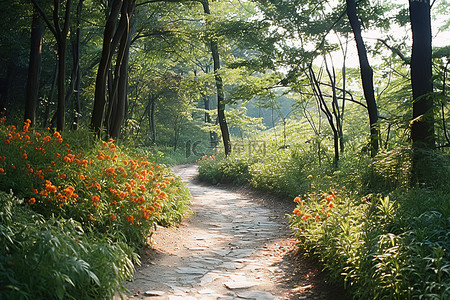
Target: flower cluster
column 106, row 188
column 315, row 206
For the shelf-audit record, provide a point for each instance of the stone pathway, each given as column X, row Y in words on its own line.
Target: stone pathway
column 233, row 247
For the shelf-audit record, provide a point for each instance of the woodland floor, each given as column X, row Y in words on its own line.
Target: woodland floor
column 236, row 245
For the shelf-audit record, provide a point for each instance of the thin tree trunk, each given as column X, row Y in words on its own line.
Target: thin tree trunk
column 152, row 120
column 51, row 96
column 366, row 76
column 77, row 67
column 219, row 86
column 34, row 68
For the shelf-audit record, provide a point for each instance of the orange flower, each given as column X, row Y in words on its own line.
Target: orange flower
column 306, row 216
column 95, row 198
column 330, row 197
column 297, row 212
column 2, row 170
column 82, row 177
column 32, row 200
column 24, row 156
column 62, row 176
column 43, row 193
column 130, row 219
column 113, row 217
column 110, row 171
column 331, row 205
column 317, row 218
column 69, row 191
column 142, row 188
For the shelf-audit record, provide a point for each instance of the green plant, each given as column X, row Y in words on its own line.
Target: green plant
column 55, row 259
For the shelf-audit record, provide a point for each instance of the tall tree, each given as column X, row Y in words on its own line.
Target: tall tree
column 60, row 34
column 422, row 128
column 116, row 34
column 34, row 67
column 219, row 84
column 366, row 76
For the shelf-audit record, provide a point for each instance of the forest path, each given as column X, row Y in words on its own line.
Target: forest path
column 236, row 245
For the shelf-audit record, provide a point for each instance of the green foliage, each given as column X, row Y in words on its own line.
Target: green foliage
column 225, row 170
column 55, row 259
column 374, row 232
column 379, row 247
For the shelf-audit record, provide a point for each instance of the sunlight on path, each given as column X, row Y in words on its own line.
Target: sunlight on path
column 229, row 249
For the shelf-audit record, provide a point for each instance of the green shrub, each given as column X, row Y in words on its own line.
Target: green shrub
column 55, row 259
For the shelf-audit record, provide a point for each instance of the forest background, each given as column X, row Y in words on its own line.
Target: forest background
column 302, row 98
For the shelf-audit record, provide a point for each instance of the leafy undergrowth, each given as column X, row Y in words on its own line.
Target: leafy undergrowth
column 375, row 236
column 116, row 198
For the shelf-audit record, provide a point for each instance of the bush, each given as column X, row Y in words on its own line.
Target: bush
column 55, row 259
column 377, row 246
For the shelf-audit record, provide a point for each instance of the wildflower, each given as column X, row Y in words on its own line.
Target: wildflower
column 130, row 219
column 62, row 176
column 82, row 177
column 2, row 158
column 2, row 170
column 297, row 212
column 43, row 193
column 331, row 205
column 32, row 200
column 297, row 199
column 317, row 218
column 110, row 171
column 113, row 217
column 330, row 197
column 95, row 198
column 69, row 191
column 24, row 156
column 142, row 188
column 306, row 216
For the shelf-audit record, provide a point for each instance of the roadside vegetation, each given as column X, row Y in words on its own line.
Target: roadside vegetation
column 373, row 231
column 75, row 212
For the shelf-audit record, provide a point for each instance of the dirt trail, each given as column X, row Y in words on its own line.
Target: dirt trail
column 236, row 245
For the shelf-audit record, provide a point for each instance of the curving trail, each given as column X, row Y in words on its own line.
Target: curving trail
column 236, row 245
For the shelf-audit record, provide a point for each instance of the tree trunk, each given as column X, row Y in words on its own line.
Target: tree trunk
column 366, row 76
column 100, row 83
column 422, row 128
column 122, row 87
column 34, row 68
column 46, row 117
column 219, row 86
column 152, row 120
column 76, row 66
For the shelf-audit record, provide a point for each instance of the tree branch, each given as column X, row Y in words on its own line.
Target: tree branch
column 44, row 16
